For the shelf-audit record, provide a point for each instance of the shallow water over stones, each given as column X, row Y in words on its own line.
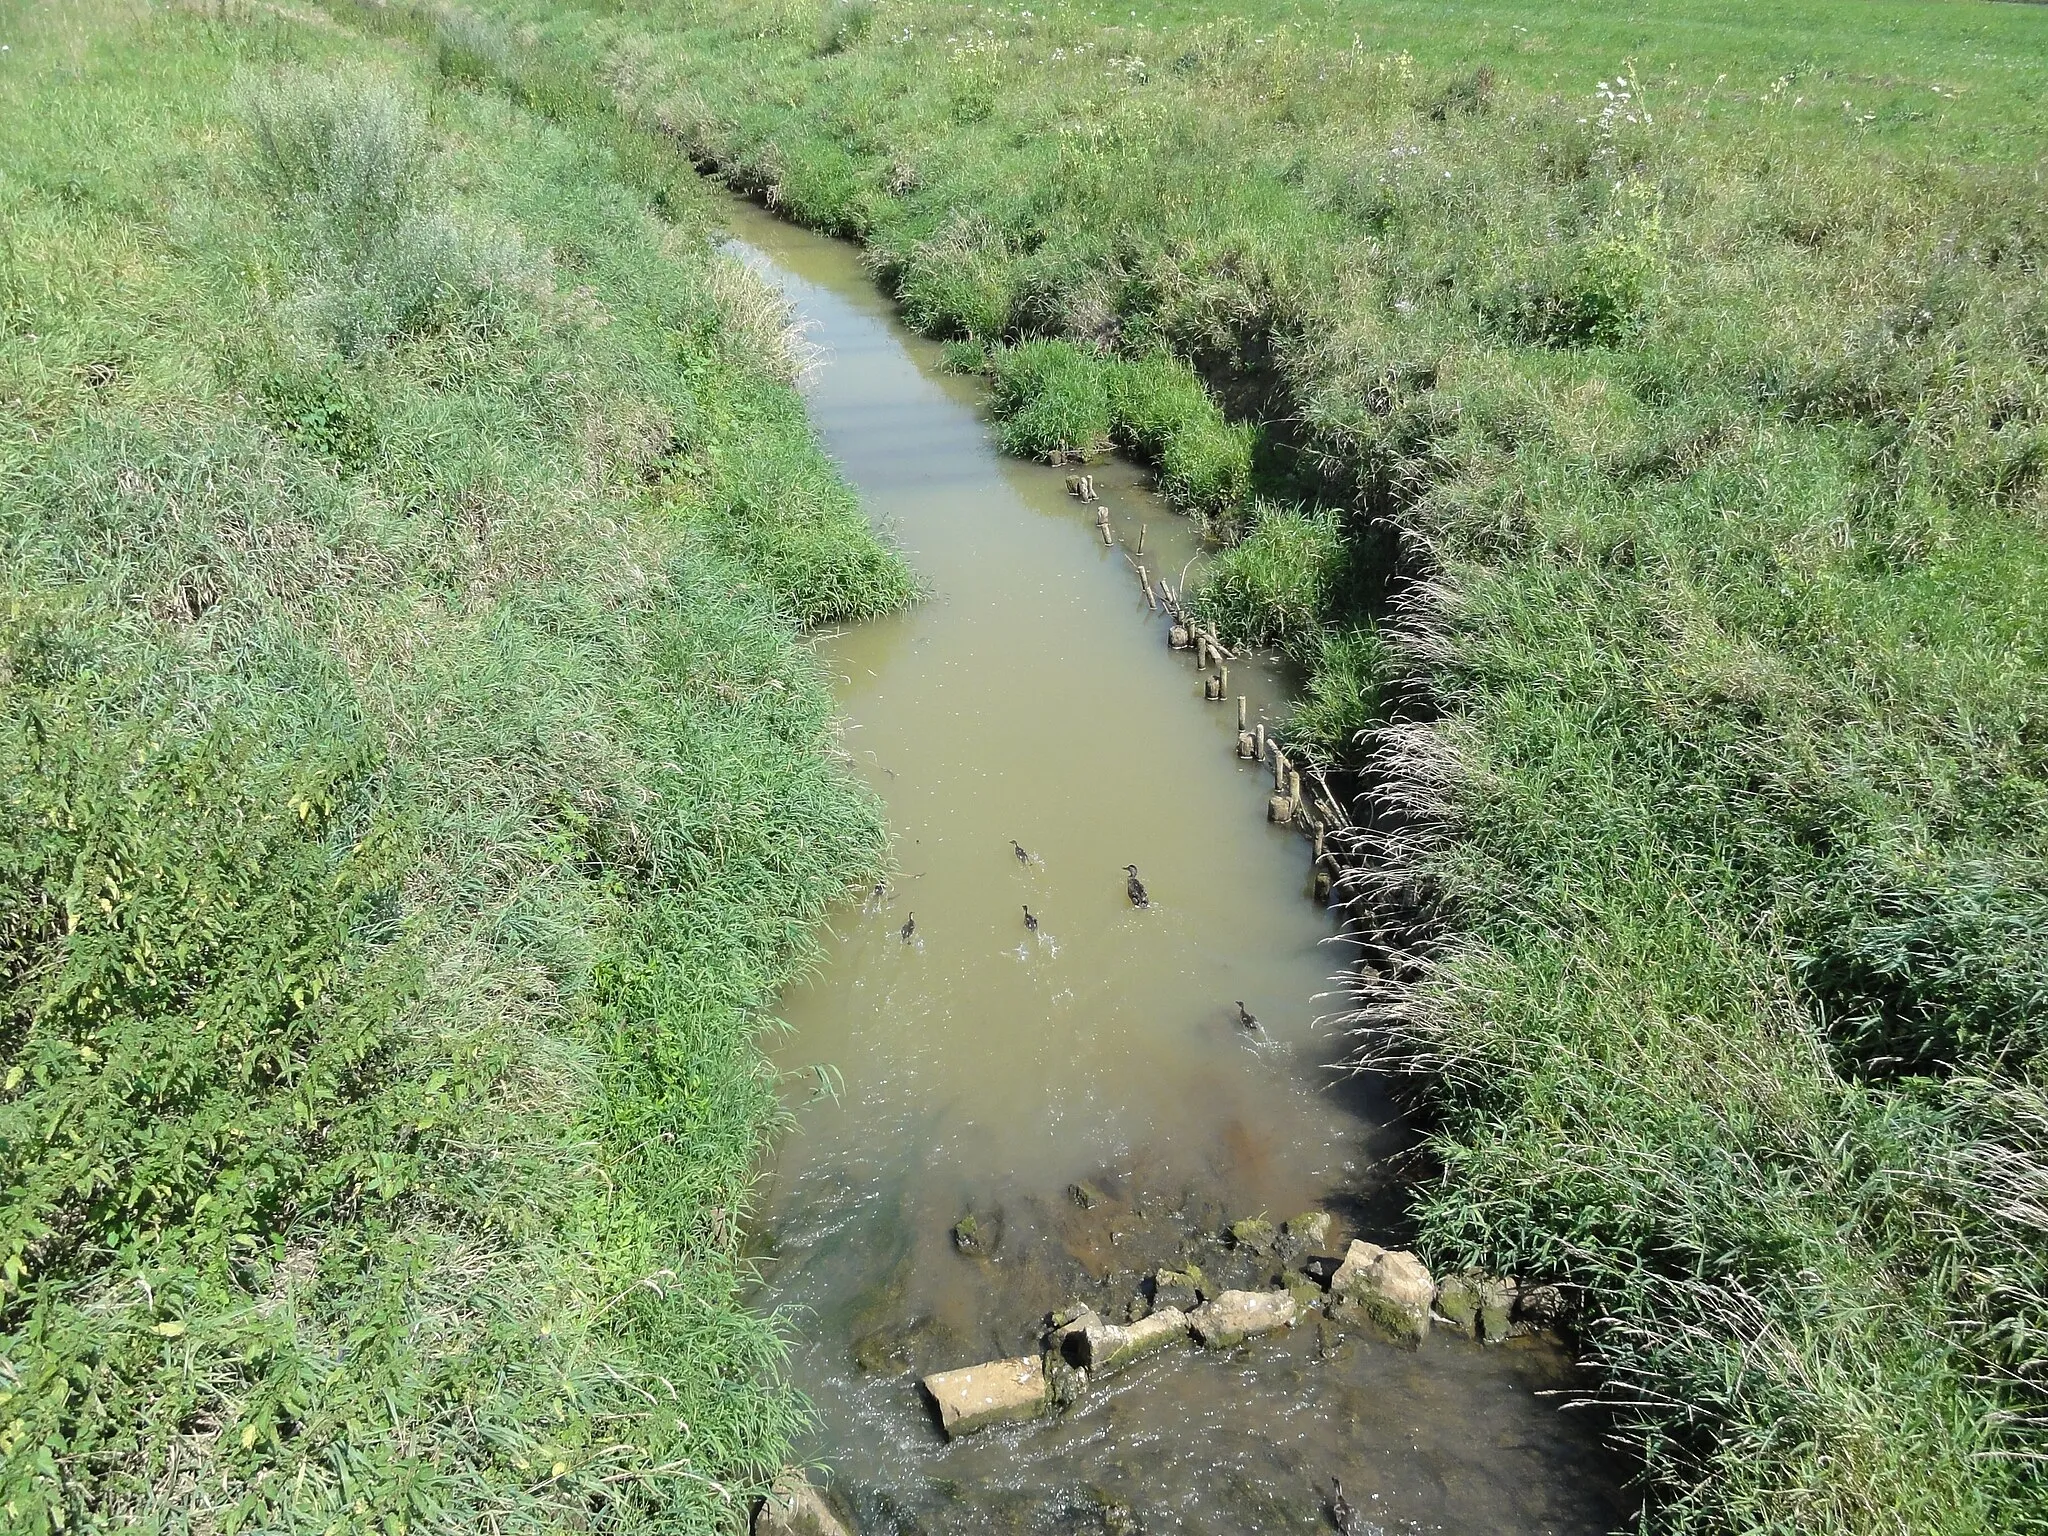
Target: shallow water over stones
column 1019, row 1120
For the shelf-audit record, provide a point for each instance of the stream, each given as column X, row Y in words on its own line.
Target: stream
column 1085, row 1092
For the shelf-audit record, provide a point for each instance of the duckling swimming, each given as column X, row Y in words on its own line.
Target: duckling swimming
column 1018, row 848
column 1341, row 1512
column 1135, row 888
column 909, row 929
column 1246, row 1017
column 1030, row 922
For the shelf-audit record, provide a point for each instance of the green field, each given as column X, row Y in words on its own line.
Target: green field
column 413, row 783
column 1637, row 419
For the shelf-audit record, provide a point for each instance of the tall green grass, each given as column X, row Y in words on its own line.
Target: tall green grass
column 412, row 786
column 1675, row 378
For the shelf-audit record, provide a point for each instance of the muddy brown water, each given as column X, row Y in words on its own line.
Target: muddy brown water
column 983, row 1069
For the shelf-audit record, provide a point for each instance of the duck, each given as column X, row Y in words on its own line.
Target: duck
column 1030, row 922
column 1018, row 848
column 1246, row 1017
column 1135, row 888
column 1341, row 1512
column 909, row 929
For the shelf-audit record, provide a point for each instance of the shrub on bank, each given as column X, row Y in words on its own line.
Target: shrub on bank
column 1207, row 467
column 1273, row 586
column 1345, row 697
column 845, row 23
column 960, row 283
column 1055, row 400
column 1165, row 417
column 1156, row 398
column 1051, row 399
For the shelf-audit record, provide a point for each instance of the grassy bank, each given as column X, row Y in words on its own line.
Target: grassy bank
column 412, row 785
column 1638, row 417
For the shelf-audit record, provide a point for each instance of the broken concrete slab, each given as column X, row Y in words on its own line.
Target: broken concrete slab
column 1067, row 1321
column 1458, row 1302
column 1390, row 1292
column 978, row 1397
column 1235, row 1316
column 1103, row 1347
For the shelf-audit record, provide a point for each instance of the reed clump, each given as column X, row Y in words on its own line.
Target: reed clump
column 412, row 786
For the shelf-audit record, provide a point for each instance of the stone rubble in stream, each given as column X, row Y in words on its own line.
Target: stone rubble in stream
column 1136, row 1277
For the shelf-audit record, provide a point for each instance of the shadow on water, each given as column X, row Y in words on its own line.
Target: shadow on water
column 989, row 1069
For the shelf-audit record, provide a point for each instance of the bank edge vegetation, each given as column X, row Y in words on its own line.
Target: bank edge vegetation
column 413, row 783
column 1637, row 419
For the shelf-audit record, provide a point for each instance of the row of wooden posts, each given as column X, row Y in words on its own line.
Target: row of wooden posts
column 1287, row 805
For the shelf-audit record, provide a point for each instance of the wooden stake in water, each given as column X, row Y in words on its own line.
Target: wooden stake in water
column 1262, row 741
column 1141, row 538
column 1240, row 711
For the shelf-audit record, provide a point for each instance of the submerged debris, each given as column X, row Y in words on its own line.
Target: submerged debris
column 1478, row 1305
column 1304, row 1234
column 1177, row 1288
column 794, row 1508
column 1254, row 1235
column 1267, row 1278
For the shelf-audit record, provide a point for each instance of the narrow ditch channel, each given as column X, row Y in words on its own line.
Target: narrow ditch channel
column 1085, row 1093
